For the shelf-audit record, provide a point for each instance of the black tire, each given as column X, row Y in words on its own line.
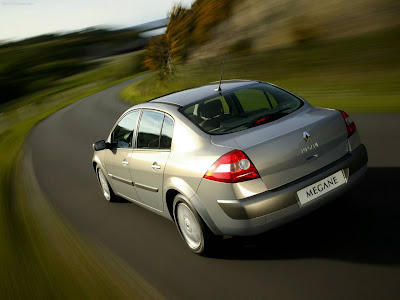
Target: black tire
column 194, row 232
column 105, row 187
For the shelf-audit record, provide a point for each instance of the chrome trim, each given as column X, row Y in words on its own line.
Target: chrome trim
column 138, row 202
column 228, row 201
column 154, row 150
column 120, row 179
column 146, row 187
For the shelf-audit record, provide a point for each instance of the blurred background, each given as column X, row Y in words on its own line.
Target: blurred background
column 334, row 53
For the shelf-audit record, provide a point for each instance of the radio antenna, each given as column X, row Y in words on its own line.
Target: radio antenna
column 218, row 89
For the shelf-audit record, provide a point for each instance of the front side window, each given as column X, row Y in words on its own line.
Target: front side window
column 124, row 131
column 240, row 109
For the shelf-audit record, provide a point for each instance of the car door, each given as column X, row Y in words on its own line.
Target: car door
column 150, row 157
column 118, row 158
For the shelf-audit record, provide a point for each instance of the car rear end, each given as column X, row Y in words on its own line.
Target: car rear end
column 282, row 160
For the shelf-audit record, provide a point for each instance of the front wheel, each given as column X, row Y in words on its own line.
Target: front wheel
column 105, row 186
column 195, row 233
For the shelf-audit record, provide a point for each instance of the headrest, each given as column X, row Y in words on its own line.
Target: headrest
column 212, row 109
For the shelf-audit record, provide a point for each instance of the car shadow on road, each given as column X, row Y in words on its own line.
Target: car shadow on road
column 362, row 226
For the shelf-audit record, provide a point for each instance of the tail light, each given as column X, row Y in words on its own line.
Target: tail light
column 232, row 167
column 350, row 125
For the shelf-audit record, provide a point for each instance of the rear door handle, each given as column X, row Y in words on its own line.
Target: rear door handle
column 125, row 162
column 155, row 166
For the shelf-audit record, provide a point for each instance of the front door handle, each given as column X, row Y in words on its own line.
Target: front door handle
column 125, row 162
column 155, row 166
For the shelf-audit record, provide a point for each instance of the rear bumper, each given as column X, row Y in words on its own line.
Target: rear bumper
column 270, row 209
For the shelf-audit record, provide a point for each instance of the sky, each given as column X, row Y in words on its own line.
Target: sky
column 25, row 18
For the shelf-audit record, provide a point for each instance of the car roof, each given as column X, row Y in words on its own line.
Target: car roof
column 186, row 97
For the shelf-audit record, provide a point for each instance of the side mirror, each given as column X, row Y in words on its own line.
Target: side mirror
column 100, row 145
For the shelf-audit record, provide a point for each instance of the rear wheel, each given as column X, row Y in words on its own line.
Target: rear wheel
column 105, row 186
column 195, row 233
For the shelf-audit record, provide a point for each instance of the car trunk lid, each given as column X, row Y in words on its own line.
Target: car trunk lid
column 293, row 146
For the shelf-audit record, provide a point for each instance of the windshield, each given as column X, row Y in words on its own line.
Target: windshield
column 236, row 110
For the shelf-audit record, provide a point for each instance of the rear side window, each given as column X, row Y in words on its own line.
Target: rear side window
column 155, row 131
column 150, row 129
column 166, row 133
column 124, row 131
column 243, row 108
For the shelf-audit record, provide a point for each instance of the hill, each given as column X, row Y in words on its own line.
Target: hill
column 259, row 25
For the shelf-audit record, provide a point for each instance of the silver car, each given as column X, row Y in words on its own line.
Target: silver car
column 233, row 160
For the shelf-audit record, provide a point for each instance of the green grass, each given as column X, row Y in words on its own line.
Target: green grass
column 40, row 255
column 109, row 70
column 357, row 74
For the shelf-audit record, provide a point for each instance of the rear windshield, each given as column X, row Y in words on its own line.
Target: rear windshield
column 236, row 110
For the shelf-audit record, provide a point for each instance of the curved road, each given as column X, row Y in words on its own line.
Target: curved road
column 349, row 249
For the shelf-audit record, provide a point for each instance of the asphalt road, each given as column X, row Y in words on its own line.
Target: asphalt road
column 349, row 249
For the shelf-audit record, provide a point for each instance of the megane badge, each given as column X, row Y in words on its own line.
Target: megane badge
column 306, row 136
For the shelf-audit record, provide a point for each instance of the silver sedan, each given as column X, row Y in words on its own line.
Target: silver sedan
column 233, row 160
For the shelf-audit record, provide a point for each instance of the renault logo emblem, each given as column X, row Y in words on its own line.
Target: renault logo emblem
column 306, row 136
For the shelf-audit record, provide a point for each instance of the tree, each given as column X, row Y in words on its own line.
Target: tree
column 158, row 56
column 186, row 28
column 178, row 32
column 208, row 14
